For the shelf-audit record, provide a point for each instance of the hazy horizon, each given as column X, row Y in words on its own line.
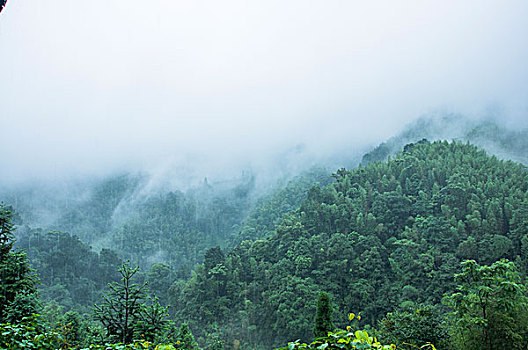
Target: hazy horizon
column 102, row 86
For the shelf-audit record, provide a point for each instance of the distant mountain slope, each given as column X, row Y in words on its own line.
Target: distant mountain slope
column 379, row 237
column 82, row 207
column 367, row 232
column 503, row 142
column 124, row 212
column 269, row 210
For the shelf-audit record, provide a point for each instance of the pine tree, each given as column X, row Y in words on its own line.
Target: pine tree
column 124, row 313
column 323, row 316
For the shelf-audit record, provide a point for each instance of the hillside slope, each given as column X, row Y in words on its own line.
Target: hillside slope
column 377, row 238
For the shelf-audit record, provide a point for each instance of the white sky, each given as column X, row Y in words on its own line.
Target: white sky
column 91, row 85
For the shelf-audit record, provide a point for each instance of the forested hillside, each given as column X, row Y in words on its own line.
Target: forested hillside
column 385, row 240
column 166, row 234
column 379, row 238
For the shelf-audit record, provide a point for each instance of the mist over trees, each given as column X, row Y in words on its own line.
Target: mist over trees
column 387, row 240
column 96, row 209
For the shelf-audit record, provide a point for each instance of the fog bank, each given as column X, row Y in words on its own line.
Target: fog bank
column 106, row 86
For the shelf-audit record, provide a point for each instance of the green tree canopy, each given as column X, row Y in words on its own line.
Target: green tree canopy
column 186, row 338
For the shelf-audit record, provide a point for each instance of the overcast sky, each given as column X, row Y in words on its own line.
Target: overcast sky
column 91, row 85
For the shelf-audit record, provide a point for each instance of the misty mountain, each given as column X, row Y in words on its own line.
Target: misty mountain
column 212, row 175
column 495, row 138
column 104, row 212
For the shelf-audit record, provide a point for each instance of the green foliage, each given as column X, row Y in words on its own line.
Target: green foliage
column 6, row 230
column 91, row 217
column 29, row 333
column 484, row 133
column 72, row 329
column 343, row 339
column 323, row 316
column 141, row 345
column 213, row 257
column 77, row 330
column 375, row 239
column 178, row 227
column 490, row 307
column 270, row 209
column 160, row 277
column 186, row 339
column 125, row 313
column 70, row 272
column 413, row 326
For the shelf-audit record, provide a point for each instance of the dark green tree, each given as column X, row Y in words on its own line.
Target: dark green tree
column 216, row 344
column 160, row 277
column 72, row 329
column 323, row 316
column 213, row 256
column 154, row 320
column 30, row 334
column 18, row 297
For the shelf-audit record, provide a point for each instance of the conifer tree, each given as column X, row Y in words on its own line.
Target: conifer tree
column 323, row 316
column 123, row 312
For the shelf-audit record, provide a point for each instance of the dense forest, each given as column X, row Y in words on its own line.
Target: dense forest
column 428, row 245
column 380, row 238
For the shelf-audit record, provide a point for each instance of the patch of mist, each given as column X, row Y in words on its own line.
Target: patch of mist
column 42, row 203
column 206, row 177
column 159, row 256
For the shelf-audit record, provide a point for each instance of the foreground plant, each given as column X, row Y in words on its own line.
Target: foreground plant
column 29, row 333
column 347, row 340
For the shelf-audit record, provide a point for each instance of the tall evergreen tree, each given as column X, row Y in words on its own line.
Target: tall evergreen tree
column 323, row 316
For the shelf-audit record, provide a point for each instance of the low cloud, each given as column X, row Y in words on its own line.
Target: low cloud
column 103, row 86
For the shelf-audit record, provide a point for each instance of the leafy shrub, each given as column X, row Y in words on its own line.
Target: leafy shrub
column 29, row 334
column 343, row 339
